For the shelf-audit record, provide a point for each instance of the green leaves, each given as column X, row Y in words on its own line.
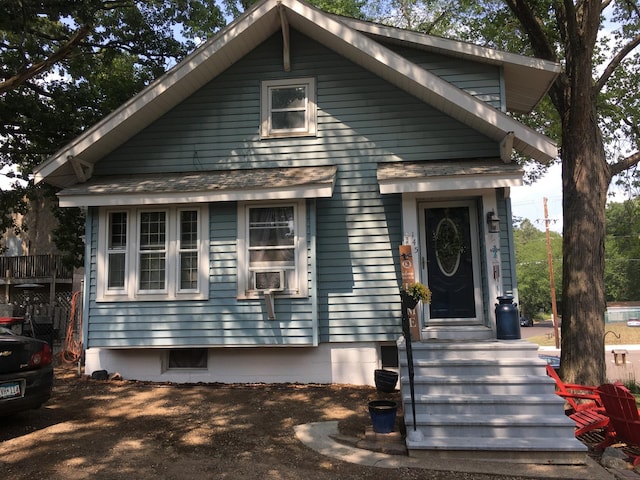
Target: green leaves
column 532, row 267
column 55, row 83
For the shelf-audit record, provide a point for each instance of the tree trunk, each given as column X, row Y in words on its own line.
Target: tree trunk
column 585, row 181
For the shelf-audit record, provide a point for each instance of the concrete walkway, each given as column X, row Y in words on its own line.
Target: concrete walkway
column 321, row 436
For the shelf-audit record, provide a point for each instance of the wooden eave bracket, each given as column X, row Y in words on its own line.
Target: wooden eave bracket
column 284, row 24
column 82, row 169
column 506, row 147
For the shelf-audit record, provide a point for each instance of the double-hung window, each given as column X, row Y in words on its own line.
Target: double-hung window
column 288, row 108
column 152, row 254
column 117, row 251
column 272, row 249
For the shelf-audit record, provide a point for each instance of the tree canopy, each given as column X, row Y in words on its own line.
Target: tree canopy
column 623, row 251
column 532, row 267
column 65, row 65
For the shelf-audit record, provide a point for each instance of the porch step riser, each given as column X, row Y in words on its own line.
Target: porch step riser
column 483, row 432
column 480, row 350
column 501, row 453
column 477, row 369
column 468, row 388
column 444, row 356
column 482, row 409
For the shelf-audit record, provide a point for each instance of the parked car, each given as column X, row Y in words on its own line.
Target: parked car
column 526, row 321
column 26, row 372
column 552, row 361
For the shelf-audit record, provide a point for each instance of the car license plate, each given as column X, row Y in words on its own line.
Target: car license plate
column 10, row 390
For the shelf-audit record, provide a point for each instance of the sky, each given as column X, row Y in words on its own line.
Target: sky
column 528, row 201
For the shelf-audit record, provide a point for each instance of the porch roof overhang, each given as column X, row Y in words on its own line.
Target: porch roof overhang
column 200, row 187
column 431, row 176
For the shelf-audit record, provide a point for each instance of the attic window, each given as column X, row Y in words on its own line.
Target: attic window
column 288, row 108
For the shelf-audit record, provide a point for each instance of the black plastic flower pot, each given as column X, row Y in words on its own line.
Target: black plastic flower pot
column 385, row 380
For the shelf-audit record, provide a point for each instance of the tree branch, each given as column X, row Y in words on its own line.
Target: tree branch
column 63, row 52
column 541, row 44
column 539, row 41
column 615, row 62
column 624, row 164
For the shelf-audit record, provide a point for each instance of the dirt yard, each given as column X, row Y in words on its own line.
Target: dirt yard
column 135, row 430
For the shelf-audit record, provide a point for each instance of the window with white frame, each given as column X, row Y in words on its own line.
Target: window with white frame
column 288, row 108
column 272, row 249
column 153, row 253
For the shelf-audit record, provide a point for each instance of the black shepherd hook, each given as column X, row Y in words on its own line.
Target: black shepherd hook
column 406, row 331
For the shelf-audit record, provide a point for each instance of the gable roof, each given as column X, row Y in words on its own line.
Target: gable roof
column 74, row 162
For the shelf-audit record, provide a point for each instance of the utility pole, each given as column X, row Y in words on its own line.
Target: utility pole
column 552, row 282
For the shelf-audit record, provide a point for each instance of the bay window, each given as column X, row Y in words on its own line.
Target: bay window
column 158, row 253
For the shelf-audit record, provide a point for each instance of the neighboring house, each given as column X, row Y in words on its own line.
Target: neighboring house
column 33, row 279
column 245, row 211
column 622, row 312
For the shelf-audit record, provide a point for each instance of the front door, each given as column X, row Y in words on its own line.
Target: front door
column 450, row 262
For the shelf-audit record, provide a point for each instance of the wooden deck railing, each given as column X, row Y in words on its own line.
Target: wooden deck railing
column 34, row 266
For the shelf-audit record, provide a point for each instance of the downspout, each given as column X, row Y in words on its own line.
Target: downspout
column 313, row 272
column 86, row 287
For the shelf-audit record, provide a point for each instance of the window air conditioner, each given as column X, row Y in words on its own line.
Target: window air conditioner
column 269, row 281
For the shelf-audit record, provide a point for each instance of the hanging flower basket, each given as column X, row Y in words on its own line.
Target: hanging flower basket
column 413, row 293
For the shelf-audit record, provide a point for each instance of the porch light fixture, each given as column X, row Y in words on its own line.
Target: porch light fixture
column 493, row 222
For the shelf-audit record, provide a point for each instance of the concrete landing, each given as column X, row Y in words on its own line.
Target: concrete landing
column 322, row 437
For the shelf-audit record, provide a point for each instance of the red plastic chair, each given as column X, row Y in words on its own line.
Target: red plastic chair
column 585, row 406
column 620, row 406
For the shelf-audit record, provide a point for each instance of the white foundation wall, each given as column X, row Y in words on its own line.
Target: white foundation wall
column 352, row 363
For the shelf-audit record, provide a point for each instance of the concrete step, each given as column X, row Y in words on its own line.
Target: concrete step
column 478, row 367
column 481, row 427
column 486, row 404
column 530, row 450
column 488, row 400
column 493, row 349
column 454, row 385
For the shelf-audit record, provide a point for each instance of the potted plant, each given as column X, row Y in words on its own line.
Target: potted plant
column 413, row 293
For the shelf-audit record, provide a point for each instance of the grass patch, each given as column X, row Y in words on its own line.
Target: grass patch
column 628, row 336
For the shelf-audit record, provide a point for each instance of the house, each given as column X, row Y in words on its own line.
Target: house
column 35, row 282
column 245, row 211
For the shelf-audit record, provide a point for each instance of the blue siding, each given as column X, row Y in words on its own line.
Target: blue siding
column 362, row 120
column 506, row 243
column 222, row 320
column 478, row 79
column 359, row 117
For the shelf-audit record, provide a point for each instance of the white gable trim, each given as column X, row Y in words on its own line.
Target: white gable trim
column 244, row 34
column 527, row 78
column 214, row 57
column 422, row 84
